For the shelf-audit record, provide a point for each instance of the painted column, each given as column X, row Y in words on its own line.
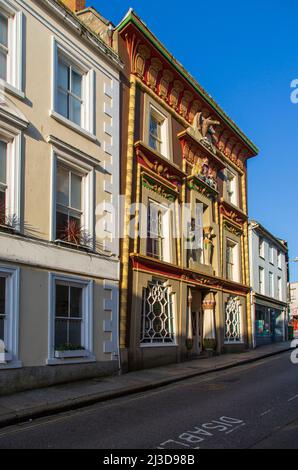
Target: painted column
column 189, row 317
column 208, row 306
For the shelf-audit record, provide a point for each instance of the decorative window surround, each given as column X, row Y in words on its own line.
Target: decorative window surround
column 231, row 187
column 152, row 108
column 158, row 231
column 158, row 328
column 15, row 56
column 88, row 174
column 87, row 127
column 233, row 334
column 11, row 340
column 87, row 321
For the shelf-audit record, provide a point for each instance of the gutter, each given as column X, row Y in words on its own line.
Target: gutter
column 130, row 17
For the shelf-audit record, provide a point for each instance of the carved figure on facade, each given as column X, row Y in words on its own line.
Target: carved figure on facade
column 203, row 170
column 160, row 169
column 208, row 244
column 203, row 130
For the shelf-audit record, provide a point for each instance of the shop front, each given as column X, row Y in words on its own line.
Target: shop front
column 269, row 325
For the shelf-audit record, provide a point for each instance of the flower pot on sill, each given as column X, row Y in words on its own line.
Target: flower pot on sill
column 5, row 357
column 77, row 353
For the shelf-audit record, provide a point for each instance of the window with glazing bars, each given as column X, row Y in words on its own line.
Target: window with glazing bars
column 68, row 317
column 4, row 22
column 69, row 205
column 69, row 93
column 155, row 232
column 157, row 315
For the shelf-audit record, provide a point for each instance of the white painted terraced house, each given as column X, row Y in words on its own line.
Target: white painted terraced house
column 59, row 173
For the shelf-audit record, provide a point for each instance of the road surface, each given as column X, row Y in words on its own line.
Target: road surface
column 252, row 406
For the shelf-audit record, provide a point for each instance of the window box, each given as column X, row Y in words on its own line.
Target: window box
column 71, row 354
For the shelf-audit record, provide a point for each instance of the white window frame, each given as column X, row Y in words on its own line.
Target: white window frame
column 279, row 289
column 88, row 190
column 16, row 41
column 12, row 275
column 14, row 140
column 271, row 284
column 261, row 280
column 87, row 315
column 166, row 223
column 87, row 127
column 164, row 130
column 261, row 247
column 279, row 259
column 271, row 253
column 236, row 260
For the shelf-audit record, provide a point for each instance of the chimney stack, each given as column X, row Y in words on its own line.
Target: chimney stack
column 75, row 5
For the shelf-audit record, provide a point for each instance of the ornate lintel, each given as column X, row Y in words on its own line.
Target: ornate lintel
column 159, row 188
column 163, row 168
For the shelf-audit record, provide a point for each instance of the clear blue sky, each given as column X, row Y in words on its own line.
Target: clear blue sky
column 245, row 54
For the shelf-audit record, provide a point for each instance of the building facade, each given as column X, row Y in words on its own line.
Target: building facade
column 59, row 172
column 269, row 280
column 185, row 283
column 293, row 304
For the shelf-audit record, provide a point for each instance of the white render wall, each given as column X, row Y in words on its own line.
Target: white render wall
column 256, row 261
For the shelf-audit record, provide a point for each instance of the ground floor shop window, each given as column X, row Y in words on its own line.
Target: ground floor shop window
column 233, row 321
column 157, row 315
column 269, row 323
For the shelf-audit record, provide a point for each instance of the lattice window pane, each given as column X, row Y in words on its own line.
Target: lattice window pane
column 157, row 315
column 233, row 321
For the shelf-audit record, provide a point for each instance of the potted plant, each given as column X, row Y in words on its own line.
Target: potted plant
column 5, row 356
column 189, row 344
column 68, row 351
column 210, row 344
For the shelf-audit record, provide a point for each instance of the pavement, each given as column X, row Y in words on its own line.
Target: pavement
column 29, row 405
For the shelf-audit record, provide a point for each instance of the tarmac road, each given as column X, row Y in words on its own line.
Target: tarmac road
column 251, row 406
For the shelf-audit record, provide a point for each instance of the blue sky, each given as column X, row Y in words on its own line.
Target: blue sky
column 245, row 54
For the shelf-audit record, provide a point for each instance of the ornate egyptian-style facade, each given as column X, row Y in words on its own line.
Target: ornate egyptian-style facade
column 185, row 271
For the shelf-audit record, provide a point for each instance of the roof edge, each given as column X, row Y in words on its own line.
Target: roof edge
column 137, row 21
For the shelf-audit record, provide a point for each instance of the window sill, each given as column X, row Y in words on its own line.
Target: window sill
column 5, row 357
column 11, row 365
column 234, row 343
column 84, row 248
column 65, row 361
column 78, row 353
column 71, row 125
column 12, row 89
column 159, row 345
